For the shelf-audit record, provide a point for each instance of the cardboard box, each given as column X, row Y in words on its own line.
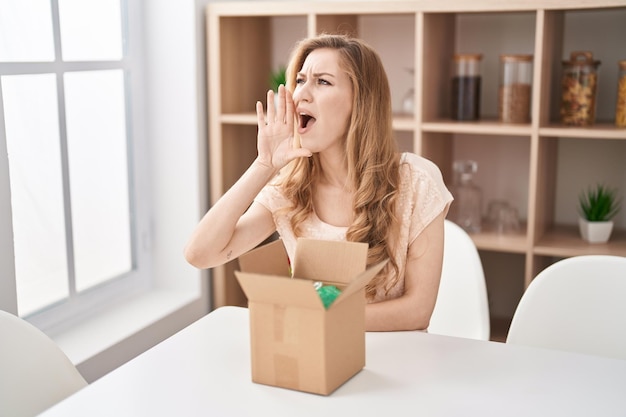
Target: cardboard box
column 295, row 342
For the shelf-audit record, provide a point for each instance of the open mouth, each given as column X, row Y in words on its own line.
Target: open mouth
column 305, row 120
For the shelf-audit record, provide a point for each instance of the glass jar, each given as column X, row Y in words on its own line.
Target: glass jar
column 466, row 81
column 579, row 84
column 466, row 207
column 620, row 108
column 515, row 88
column 502, row 217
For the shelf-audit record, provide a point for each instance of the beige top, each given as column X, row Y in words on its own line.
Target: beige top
column 423, row 196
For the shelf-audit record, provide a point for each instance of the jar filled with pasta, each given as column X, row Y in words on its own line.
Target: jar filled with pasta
column 620, row 108
column 515, row 88
column 579, row 84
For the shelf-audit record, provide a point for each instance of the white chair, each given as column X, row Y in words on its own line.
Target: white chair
column 462, row 308
column 577, row 304
column 34, row 373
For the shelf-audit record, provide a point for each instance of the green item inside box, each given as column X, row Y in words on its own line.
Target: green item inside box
column 328, row 293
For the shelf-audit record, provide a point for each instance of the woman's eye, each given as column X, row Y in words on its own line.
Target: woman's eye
column 299, row 81
column 322, row 81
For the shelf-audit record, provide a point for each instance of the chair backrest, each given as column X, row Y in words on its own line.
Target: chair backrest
column 462, row 308
column 576, row 304
column 35, row 374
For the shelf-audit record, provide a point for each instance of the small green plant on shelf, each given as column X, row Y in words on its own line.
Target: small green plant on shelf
column 599, row 203
column 278, row 77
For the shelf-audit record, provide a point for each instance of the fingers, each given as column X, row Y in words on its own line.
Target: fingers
column 290, row 108
column 279, row 102
column 301, row 153
column 279, row 111
column 260, row 117
column 286, row 107
column 271, row 111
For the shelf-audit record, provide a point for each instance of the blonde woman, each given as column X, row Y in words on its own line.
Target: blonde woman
column 328, row 168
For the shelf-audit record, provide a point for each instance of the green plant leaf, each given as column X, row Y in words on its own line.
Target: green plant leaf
column 599, row 203
column 278, row 77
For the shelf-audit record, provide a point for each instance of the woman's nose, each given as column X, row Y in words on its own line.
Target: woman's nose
column 302, row 92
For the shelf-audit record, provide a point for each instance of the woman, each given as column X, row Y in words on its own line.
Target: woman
column 328, row 168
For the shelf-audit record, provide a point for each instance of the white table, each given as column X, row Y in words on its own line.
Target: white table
column 204, row 370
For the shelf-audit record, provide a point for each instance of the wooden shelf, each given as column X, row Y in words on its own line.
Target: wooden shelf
column 565, row 241
column 402, row 122
column 598, row 131
column 513, row 242
column 484, row 127
column 239, row 118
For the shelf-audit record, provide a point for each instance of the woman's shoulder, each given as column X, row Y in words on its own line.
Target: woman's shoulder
column 411, row 163
column 272, row 197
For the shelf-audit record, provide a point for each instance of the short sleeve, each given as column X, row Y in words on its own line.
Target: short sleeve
column 274, row 200
column 425, row 189
column 269, row 197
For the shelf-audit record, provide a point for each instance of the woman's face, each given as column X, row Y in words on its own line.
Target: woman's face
column 323, row 100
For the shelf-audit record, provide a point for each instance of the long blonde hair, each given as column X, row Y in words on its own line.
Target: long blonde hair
column 371, row 153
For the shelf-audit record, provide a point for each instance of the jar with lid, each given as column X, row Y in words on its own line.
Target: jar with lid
column 466, row 80
column 579, row 84
column 620, row 108
column 466, row 207
column 515, row 88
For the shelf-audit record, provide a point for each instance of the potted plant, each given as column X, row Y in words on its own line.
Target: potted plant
column 277, row 78
column 597, row 206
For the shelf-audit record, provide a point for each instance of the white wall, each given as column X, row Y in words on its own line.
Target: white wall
column 177, row 143
column 7, row 254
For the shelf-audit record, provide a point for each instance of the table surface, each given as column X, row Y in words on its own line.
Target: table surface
column 204, row 370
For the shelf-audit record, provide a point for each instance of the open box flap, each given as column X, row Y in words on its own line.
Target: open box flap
column 359, row 282
column 329, row 261
column 279, row 290
column 269, row 259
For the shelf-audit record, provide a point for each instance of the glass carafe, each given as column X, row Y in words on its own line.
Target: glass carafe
column 466, row 207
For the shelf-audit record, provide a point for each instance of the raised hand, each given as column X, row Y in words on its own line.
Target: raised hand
column 275, row 143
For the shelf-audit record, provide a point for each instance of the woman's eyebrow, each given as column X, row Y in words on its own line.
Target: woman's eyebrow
column 317, row 74
column 323, row 74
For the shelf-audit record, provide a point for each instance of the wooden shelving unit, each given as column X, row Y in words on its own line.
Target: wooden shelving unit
column 247, row 40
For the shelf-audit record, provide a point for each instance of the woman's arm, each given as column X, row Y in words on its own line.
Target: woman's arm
column 235, row 224
column 412, row 311
column 232, row 226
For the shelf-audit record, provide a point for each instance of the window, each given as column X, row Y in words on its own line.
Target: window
column 68, row 106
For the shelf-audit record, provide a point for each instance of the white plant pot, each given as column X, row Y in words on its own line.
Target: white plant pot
column 595, row 232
